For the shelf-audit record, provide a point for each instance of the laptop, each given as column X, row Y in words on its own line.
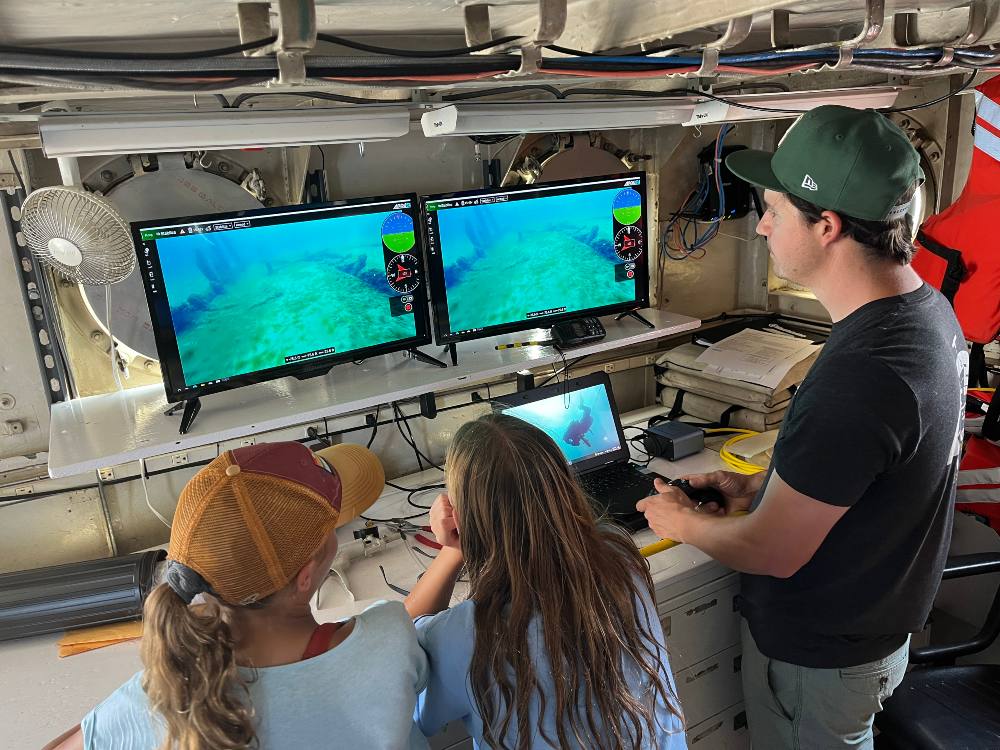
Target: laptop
column 581, row 417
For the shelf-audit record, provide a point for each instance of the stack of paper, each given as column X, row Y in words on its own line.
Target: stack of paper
column 760, row 357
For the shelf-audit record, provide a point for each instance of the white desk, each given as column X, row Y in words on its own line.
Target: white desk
column 42, row 695
column 89, row 433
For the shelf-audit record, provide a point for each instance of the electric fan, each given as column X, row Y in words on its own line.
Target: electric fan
column 79, row 234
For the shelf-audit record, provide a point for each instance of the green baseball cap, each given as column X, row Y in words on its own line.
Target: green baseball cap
column 852, row 161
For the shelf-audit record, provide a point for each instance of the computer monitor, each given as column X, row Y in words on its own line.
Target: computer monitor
column 530, row 256
column 248, row 296
column 579, row 415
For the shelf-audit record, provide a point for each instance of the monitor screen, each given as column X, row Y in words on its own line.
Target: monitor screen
column 582, row 422
column 527, row 257
column 247, row 296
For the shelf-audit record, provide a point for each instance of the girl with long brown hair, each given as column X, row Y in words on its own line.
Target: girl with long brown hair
column 558, row 644
column 247, row 665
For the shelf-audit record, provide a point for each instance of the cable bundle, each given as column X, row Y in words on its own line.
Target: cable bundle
column 674, row 241
column 733, row 461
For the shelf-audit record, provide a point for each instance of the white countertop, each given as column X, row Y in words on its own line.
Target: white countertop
column 89, row 433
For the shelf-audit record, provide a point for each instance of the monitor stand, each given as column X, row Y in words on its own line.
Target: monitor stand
column 191, row 408
column 637, row 316
column 425, row 358
column 453, row 351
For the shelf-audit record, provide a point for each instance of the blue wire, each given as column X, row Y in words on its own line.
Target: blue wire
column 975, row 53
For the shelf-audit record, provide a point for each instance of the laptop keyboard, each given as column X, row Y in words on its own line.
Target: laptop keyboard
column 623, row 479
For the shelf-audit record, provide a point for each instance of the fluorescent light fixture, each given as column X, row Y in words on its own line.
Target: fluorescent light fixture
column 553, row 117
column 68, row 134
column 710, row 111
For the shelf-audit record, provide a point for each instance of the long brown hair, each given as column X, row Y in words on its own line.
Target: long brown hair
column 191, row 677
column 533, row 549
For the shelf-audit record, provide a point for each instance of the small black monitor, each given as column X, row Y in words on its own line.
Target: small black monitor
column 509, row 259
column 248, row 296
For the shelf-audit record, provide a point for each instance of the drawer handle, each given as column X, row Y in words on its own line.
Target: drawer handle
column 707, row 670
column 707, row 732
column 702, row 608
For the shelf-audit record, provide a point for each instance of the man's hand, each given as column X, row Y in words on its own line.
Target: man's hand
column 444, row 522
column 738, row 490
column 665, row 512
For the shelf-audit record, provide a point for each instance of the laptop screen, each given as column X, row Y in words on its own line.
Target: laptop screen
column 582, row 422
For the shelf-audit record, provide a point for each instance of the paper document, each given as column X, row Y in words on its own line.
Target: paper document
column 755, row 356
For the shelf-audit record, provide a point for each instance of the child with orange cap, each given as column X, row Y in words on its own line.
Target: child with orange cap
column 245, row 665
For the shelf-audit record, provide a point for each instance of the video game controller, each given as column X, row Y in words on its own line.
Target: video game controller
column 699, row 494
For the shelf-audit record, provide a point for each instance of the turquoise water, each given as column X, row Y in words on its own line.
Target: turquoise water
column 573, row 420
column 503, row 261
column 243, row 301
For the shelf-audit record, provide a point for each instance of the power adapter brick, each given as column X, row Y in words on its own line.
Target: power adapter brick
column 673, row 440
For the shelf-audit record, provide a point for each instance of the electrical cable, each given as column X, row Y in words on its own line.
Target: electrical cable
column 398, row 589
column 735, row 462
column 693, row 207
column 113, row 349
column 145, row 491
column 378, row 408
column 9, row 49
column 492, row 140
column 932, row 102
column 565, row 368
column 581, row 53
column 324, row 95
column 503, row 90
column 416, row 53
column 17, row 172
column 411, row 440
column 397, row 518
column 418, row 490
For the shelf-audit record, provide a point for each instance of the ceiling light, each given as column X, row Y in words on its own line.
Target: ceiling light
column 567, row 116
column 70, row 134
column 553, row 117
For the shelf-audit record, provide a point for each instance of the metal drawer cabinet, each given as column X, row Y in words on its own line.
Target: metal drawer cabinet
column 710, row 685
column 702, row 622
column 724, row 731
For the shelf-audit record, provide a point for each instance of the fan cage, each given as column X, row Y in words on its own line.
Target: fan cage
column 88, row 221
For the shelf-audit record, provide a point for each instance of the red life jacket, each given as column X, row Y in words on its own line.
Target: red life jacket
column 979, row 480
column 958, row 250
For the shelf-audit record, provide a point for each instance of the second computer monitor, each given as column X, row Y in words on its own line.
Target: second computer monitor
column 510, row 259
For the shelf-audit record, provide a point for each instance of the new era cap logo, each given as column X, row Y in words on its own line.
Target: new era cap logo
column 809, row 183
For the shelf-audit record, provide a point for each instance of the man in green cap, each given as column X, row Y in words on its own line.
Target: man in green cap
column 843, row 552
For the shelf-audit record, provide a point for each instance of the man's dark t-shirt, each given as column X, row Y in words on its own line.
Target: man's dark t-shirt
column 875, row 427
